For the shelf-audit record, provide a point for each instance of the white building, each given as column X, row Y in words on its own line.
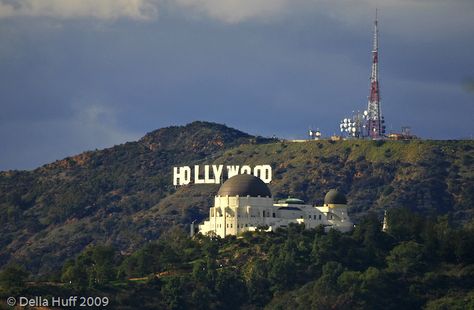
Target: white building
column 245, row 203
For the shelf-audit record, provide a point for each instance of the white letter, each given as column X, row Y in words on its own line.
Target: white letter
column 197, row 180
column 181, row 176
column 232, row 170
column 176, row 176
column 55, row 301
column 245, row 170
column 207, row 178
column 217, row 171
column 23, row 302
column 264, row 172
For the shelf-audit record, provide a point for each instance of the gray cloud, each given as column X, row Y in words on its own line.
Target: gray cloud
column 234, row 11
column 31, row 142
column 100, row 9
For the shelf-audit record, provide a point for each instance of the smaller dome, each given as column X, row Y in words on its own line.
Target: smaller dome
column 335, row 197
column 291, row 201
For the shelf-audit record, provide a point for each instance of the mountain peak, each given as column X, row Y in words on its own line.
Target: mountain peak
column 198, row 136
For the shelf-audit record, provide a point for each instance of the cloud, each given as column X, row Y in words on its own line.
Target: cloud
column 96, row 123
column 234, row 11
column 34, row 143
column 99, row 9
column 227, row 11
column 344, row 11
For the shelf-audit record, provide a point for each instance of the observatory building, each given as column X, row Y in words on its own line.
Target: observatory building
column 244, row 203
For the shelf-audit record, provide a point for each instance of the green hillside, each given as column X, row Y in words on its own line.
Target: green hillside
column 124, row 196
column 418, row 263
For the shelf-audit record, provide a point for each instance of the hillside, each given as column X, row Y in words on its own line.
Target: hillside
column 124, row 195
column 418, row 263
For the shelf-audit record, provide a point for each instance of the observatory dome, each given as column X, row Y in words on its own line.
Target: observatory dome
column 335, row 197
column 244, row 185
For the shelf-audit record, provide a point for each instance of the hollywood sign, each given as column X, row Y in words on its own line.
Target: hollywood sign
column 213, row 174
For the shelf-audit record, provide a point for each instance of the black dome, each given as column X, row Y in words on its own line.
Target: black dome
column 335, row 197
column 244, row 185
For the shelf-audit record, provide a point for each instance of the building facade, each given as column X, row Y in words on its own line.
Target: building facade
column 245, row 203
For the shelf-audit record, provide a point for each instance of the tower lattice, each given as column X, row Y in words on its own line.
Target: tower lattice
column 375, row 121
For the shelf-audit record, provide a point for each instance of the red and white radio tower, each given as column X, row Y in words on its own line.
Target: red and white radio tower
column 375, row 121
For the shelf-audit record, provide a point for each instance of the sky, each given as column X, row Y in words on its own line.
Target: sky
column 78, row 75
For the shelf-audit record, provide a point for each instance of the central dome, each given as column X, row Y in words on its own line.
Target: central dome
column 244, row 185
column 335, row 197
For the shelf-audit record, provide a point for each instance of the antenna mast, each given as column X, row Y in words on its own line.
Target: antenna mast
column 375, row 121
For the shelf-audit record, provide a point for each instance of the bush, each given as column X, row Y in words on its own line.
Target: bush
column 12, row 279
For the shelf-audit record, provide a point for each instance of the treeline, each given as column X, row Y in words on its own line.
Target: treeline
column 418, row 263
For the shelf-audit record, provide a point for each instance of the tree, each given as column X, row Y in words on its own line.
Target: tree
column 75, row 273
column 258, row 285
column 372, row 289
column 446, row 238
column 211, row 250
column 104, row 264
column 147, row 260
column 173, row 293
column 326, row 292
column 375, row 243
column 201, row 297
column 327, row 283
column 230, row 289
column 282, row 267
column 12, row 279
column 464, row 246
column 325, row 247
column 95, row 266
column 406, row 258
column 203, row 287
column 404, row 224
column 199, row 271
